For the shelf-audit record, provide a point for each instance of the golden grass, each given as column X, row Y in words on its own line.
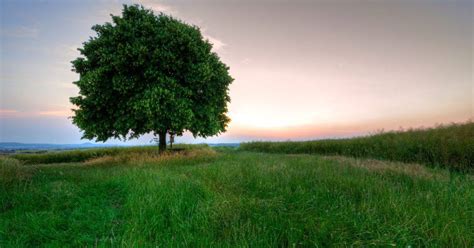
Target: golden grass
column 411, row 169
column 139, row 158
column 12, row 170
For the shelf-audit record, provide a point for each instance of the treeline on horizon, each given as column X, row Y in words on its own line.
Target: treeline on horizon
column 447, row 146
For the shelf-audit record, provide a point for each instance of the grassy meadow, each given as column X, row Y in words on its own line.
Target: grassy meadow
column 225, row 197
column 448, row 146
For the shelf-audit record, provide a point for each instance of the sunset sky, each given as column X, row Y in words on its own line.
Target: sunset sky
column 303, row 69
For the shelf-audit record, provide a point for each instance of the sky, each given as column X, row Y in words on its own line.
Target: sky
column 303, row 69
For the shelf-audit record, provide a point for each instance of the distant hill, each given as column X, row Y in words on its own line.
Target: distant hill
column 11, row 147
column 15, row 146
column 224, row 144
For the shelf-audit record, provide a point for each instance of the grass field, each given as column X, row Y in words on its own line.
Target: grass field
column 203, row 197
column 449, row 146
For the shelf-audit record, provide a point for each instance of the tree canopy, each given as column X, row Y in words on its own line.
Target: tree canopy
column 146, row 73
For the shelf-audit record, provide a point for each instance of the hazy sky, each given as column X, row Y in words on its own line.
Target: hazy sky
column 302, row 69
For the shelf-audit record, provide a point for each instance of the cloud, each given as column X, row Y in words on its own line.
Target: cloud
column 158, row 7
column 66, row 53
column 246, row 61
column 4, row 112
column 217, row 44
column 19, row 114
column 55, row 113
column 21, row 32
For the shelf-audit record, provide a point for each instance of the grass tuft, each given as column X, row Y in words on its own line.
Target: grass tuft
column 11, row 171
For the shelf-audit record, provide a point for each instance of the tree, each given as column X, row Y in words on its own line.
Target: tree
column 146, row 73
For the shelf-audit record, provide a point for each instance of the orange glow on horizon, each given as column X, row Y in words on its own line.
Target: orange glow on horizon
column 339, row 130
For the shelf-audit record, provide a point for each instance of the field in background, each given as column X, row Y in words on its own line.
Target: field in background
column 81, row 155
column 201, row 196
column 449, row 146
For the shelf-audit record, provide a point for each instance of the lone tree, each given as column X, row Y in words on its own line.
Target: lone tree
column 146, row 73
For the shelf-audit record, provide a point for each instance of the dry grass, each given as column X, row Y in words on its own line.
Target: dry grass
column 140, row 158
column 411, row 169
column 12, row 170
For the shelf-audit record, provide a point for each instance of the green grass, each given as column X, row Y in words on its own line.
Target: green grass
column 201, row 198
column 449, row 146
column 81, row 155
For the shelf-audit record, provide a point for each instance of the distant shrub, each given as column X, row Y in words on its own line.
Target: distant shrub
column 450, row 146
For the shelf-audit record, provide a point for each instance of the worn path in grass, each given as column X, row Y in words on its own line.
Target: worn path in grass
column 232, row 198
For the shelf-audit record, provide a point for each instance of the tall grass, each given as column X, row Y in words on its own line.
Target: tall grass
column 235, row 199
column 11, row 171
column 450, row 146
column 82, row 155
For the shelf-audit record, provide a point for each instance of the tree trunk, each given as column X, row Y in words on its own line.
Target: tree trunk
column 162, row 141
column 171, row 140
